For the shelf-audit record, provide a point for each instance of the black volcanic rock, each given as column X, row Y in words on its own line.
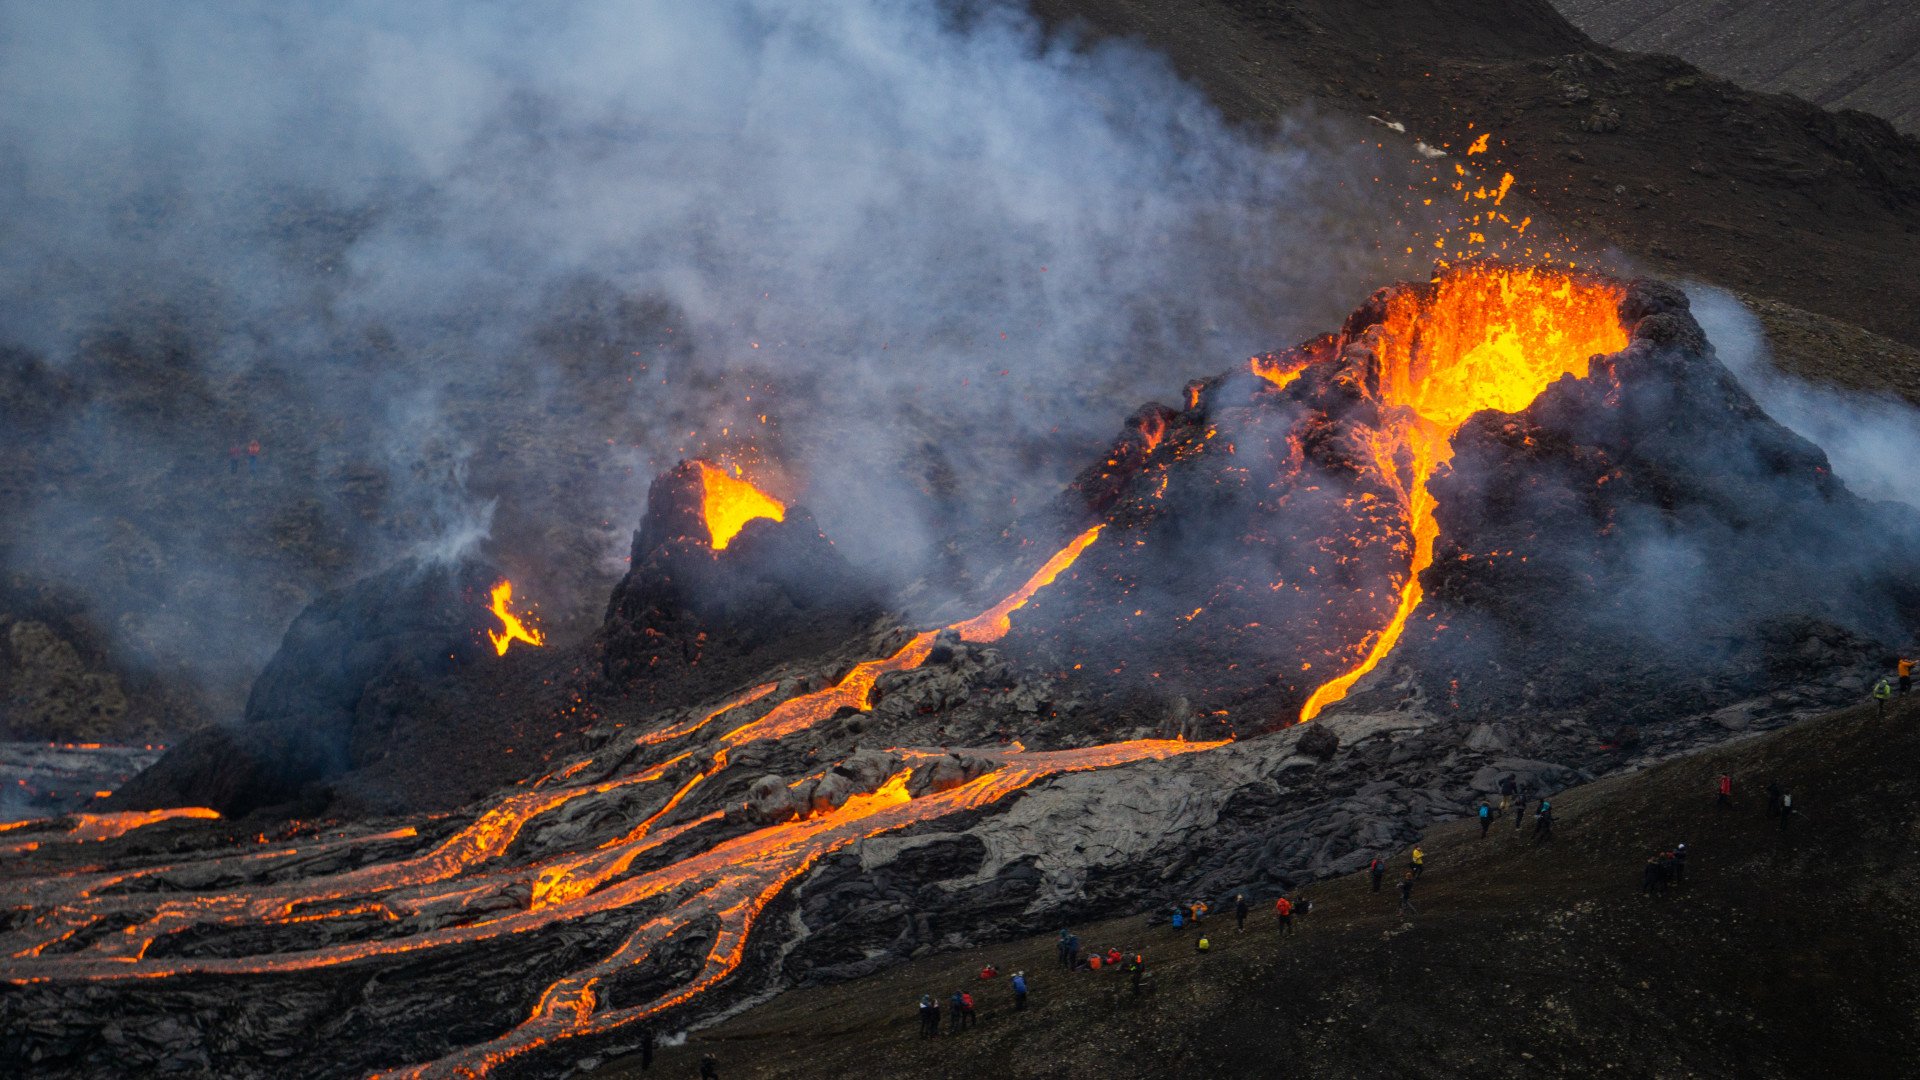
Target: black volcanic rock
column 779, row 589
column 352, row 654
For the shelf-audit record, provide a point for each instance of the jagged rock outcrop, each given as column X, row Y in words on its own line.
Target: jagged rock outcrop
column 349, row 661
column 777, row 590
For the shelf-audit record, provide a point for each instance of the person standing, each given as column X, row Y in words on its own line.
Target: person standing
column 1519, row 812
column 1486, row 818
column 253, row 456
column 1378, row 869
column 1786, row 809
column 1240, row 909
column 646, row 1048
column 1724, row 790
column 1419, row 862
column 1904, row 668
column 1543, row 822
column 1773, row 799
column 1283, row 912
column 966, row 1010
column 1882, row 692
column 1406, row 895
column 233, row 460
column 1060, row 949
column 709, row 1067
column 1019, row 983
column 929, row 1016
column 1680, row 864
column 954, row 1019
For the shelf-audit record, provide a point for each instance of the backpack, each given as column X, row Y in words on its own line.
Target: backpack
column 966, row 1001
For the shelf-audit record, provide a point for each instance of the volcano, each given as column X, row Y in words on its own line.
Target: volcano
column 1471, row 538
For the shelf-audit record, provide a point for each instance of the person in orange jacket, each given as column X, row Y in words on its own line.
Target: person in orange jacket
column 1283, row 911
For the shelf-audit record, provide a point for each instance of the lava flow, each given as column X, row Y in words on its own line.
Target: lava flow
column 460, row 891
column 729, row 502
column 513, row 629
column 1482, row 338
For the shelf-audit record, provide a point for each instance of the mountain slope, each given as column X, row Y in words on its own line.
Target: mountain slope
column 1838, row 54
column 1786, row 953
column 1687, row 174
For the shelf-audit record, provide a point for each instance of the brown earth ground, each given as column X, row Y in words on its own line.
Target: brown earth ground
column 1787, row 953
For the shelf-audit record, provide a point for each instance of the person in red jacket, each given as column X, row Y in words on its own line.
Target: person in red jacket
column 1725, row 801
column 1283, row 911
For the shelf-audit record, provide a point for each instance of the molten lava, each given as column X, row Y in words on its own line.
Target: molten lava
column 727, row 503
column 1482, row 338
column 448, row 895
column 515, row 630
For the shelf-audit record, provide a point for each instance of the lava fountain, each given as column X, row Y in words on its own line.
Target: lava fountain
column 728, row 502
column 1479, row 338
column 513, row 628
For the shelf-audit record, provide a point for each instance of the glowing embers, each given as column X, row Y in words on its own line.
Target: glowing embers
column 514, row 630
column 1482, row 338
column 728, row 502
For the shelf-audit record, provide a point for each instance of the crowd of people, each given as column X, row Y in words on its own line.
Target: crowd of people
column 1664, row 872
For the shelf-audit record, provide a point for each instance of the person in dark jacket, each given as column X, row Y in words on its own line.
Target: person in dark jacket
column 1786, row 809
column 646, row 1049
column 709, row 1068
column 1406, row 895
column 1543, row 822
column 955, row 1007
column 1240, row 910
column 1378, row 870
column 929, row 1016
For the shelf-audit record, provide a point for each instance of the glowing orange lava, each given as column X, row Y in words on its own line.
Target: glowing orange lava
column 515, row 630
column 1152, row 430
column 729, row 502
column 451, row 893
column 1485, row 338
column 1280, row 373
column 993, row 624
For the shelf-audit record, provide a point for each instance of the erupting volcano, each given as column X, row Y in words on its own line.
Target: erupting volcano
column 1482, row 338
column 1470, row 466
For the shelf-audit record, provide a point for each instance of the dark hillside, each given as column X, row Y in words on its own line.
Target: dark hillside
column 1694, row 175
column 1786, row 953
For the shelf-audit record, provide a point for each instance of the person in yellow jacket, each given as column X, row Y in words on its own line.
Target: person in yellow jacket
column 1419, row 862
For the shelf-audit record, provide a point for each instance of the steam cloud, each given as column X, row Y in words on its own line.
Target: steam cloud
column 441, row 255
column 1873, row 442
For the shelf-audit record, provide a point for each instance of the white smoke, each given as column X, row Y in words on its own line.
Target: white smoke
column 899, row 232
column 1873, row 442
